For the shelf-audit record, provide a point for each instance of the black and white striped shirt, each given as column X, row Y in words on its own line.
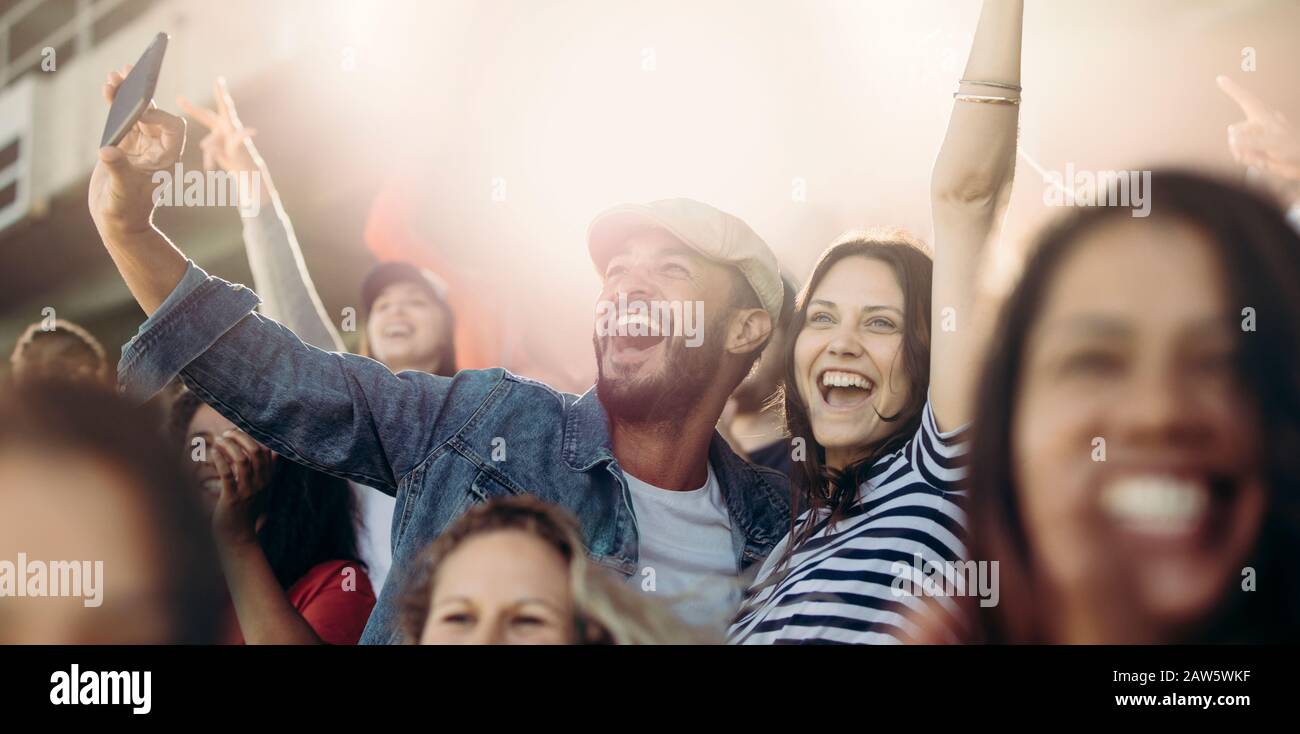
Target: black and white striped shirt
column 839, row 587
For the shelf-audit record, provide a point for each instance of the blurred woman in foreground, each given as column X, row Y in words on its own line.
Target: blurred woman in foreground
column 514, row 571
column 1135, row 463
column 99, row 542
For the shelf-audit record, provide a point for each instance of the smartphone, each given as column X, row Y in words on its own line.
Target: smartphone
column 135, row 93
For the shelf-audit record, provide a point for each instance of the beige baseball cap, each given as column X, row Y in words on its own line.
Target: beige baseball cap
column 713, row 233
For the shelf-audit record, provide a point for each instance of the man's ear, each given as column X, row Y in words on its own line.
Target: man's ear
column 748, row 330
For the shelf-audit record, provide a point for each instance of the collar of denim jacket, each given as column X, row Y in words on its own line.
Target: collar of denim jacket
column 586, row 433
column 758, row 498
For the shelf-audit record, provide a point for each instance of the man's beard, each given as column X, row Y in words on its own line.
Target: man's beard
column 666, row 396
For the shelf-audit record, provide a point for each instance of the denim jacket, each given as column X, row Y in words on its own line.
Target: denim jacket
column 439, row 444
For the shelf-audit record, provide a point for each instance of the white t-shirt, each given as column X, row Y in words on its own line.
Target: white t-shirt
column 684, row 550
column 374, row 532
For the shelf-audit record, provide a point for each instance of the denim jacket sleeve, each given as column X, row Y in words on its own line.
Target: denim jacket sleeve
column 339, row 413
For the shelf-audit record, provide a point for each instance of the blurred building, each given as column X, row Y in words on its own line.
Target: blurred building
column 53, row 58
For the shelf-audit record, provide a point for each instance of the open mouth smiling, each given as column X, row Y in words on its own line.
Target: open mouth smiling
column 633, row 339
column 1170, row 506
column 844, row 390
column 398, row 331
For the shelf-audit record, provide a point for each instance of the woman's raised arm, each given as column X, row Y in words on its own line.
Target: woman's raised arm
column 969, row 190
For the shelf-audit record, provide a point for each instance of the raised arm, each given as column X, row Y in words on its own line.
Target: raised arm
column 969, row 190
column 280, row 274
column 339, row 413
column 267, row 614
column 1268, row 144
column 121, row 201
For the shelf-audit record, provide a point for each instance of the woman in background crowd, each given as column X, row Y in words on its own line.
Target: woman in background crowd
column 285, row 534
column 877, row 385
column 408, row 324
column 1135, row 463
column 89, row 496
column 514, row 571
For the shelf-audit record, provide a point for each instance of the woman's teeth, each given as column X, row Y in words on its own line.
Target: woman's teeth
column 1156, row 503
column 397, row 331
column 832, row 378
column 845, row 389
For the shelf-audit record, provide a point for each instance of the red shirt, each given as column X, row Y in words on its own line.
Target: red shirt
column 334, row 597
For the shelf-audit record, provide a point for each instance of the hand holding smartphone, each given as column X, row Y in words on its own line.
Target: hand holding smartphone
column 135, row 93
column 139, row 141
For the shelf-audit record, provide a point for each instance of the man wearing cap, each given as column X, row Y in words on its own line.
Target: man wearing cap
column 661, row 497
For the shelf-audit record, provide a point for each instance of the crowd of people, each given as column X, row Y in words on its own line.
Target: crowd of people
column 1110, row 453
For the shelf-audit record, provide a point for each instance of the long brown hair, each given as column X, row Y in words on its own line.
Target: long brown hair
column 815, row 486
column 1260, row 256
column 308, row 517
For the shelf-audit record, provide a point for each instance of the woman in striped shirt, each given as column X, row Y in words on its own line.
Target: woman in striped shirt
column 875, row 397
